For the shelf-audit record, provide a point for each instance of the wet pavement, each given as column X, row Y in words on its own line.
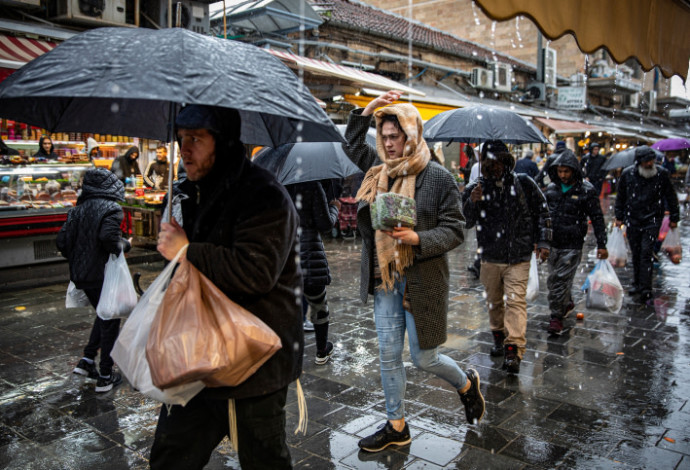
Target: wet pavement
column 611, row 392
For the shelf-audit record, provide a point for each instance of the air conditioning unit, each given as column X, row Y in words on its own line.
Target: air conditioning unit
column 632, row 101
column 503, row 77
column 482, row 78
column 194, row 15
column 89, row 12
column 536, row 91
column 550, row 67
column 649, row 100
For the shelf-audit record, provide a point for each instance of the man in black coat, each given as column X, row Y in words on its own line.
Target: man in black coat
column 241, row 227
column 512, row 221
column 543, row 178
column 87, row 239
column 526, row 166
column 571, row 201
column 592, row 164
column 156, row 174
column 644, row 192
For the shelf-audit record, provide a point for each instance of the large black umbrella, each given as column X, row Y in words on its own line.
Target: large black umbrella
column 131, row 81
column 307, row 161
column 624, row 158
column 475, row 124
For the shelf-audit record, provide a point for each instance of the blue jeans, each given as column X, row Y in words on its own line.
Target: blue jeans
column 391, row 322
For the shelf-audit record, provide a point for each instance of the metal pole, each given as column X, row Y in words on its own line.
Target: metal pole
column 178, row 15
column 225, row 24
column 540, row 58
column 171, row 169
column 170, row 14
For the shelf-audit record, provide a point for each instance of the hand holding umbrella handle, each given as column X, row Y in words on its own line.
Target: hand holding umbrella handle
column 477, row 193
column 383, row 99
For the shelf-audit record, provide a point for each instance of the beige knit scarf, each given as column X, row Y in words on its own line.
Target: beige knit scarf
column 392, row 256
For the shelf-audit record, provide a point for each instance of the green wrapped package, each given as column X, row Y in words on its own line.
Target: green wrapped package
column 391, row 210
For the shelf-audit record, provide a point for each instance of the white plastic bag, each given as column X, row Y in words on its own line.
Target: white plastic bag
column 129, row 352
column 533, row 282
column 604, row 290
column 618, row 251
column 118, row 296
column 672, row 246
column 76, row 298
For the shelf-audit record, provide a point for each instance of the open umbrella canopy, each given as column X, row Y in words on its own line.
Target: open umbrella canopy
column 307, row 161
column 669, row 145
column 624, row 159
column 130, row 81
column 475, row 124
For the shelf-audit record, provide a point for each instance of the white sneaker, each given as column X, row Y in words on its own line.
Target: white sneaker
column 308, row 326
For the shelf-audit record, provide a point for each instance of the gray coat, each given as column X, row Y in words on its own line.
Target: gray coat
column 440, row 228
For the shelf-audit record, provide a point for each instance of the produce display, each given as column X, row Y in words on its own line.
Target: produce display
column 41, row 193
column 391, row 210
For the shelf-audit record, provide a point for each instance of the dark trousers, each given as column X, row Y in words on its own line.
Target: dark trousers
column 103, row 336
column 642, row 247
column 315, row 297
column 186, row 436
column 563, row 264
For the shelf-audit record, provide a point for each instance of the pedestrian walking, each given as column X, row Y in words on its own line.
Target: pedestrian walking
column 543, row 178
column 316, row 215
column 126, row 166
column 644, row 192
column 526, row 166
column 512, row 221
column 406, row 269
column 87, row 239
column 571, row 200
column 241, row 227
column 592, row 164
column 156, row 174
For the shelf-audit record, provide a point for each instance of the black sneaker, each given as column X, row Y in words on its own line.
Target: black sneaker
column 555, row 326
column 473, row 399
column 384, row 437
column 569, row 309
column 105, row 385
column 323, row 357
column 512, row 361
column 86, row 369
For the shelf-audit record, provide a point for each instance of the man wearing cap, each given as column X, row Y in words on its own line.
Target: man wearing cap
column 644, row 192
column 512, row 221
column 591, row 167
column 543, row 178
column 241, row 226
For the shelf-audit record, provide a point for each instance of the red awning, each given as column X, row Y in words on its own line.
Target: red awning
column 22, row 50
column 568, row 127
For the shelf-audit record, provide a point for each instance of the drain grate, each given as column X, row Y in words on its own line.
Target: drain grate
column 45, row 249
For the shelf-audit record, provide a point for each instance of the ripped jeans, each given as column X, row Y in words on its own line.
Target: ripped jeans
column 391, row 323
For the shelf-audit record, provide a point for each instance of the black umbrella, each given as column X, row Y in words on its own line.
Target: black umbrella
column 131, row 81
column 307, row 161
column 475, row 124
column 624, row 158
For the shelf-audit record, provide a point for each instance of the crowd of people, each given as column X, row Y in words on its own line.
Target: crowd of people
column 259, row 242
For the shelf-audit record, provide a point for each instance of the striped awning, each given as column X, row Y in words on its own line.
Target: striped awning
column 346, row 73
column 22, row 50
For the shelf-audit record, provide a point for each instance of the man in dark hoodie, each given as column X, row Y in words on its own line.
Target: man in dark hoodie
column 46, row 151
column 543, row 178
column 571, row 201
column 241, row 226
column 644, row 192
column 87, row 239
column 127, row 166
column 512, row 221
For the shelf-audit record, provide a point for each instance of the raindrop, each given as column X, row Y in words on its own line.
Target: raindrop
column 481, row 95
column 115, row 88
column 484, row 296
column 480, row 117
column 536, row 355
column 114, row 108
column 482, row 213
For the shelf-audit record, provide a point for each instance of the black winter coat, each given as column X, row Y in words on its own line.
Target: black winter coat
column 569, row 210
column 92, row 230
column 124, row 167
column 527, row 167
column 510, row 220
column 591, row 167
column 640, row 202
column 316, row 216
column 544, row 172
column 242, row 229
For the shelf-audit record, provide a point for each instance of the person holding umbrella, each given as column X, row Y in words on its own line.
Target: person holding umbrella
column 241, row 227
column 512, row 221
column 406, row 269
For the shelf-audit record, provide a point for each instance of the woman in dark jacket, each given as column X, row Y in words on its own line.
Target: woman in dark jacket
column 127, row 165
column 90, row 235
column 45, row 149
column 316, row 215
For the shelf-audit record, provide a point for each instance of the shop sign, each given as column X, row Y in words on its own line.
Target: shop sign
column 571, row 97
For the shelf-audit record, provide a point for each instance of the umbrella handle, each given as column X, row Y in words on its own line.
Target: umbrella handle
column 171, row 168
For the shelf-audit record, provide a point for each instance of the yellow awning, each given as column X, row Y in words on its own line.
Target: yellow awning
column 427, row 110
column 655, row 32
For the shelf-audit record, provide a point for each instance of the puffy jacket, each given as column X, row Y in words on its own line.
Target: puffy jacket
column 591, row 167
column 569, row 210
column 510, row 219
column 92, row 230
column 242, row 228
column 640, row 202
column 316, row 216
column 124, row 167
column 544, row 172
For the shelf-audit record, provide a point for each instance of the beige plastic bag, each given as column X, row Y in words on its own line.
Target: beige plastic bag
column 200, row 334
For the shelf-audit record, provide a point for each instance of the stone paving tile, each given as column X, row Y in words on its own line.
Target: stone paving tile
column 611, row 392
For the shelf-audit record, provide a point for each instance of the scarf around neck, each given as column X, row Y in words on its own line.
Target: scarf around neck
column 393, row 257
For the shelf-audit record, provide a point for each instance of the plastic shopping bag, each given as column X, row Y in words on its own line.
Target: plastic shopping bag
column 129, row 352
column 665, row 226
column 118, row 297
column 672, row 246
column 200, row 334
column 533, row 282
column 618, row 250
column 75, row 298
column 604, row 290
